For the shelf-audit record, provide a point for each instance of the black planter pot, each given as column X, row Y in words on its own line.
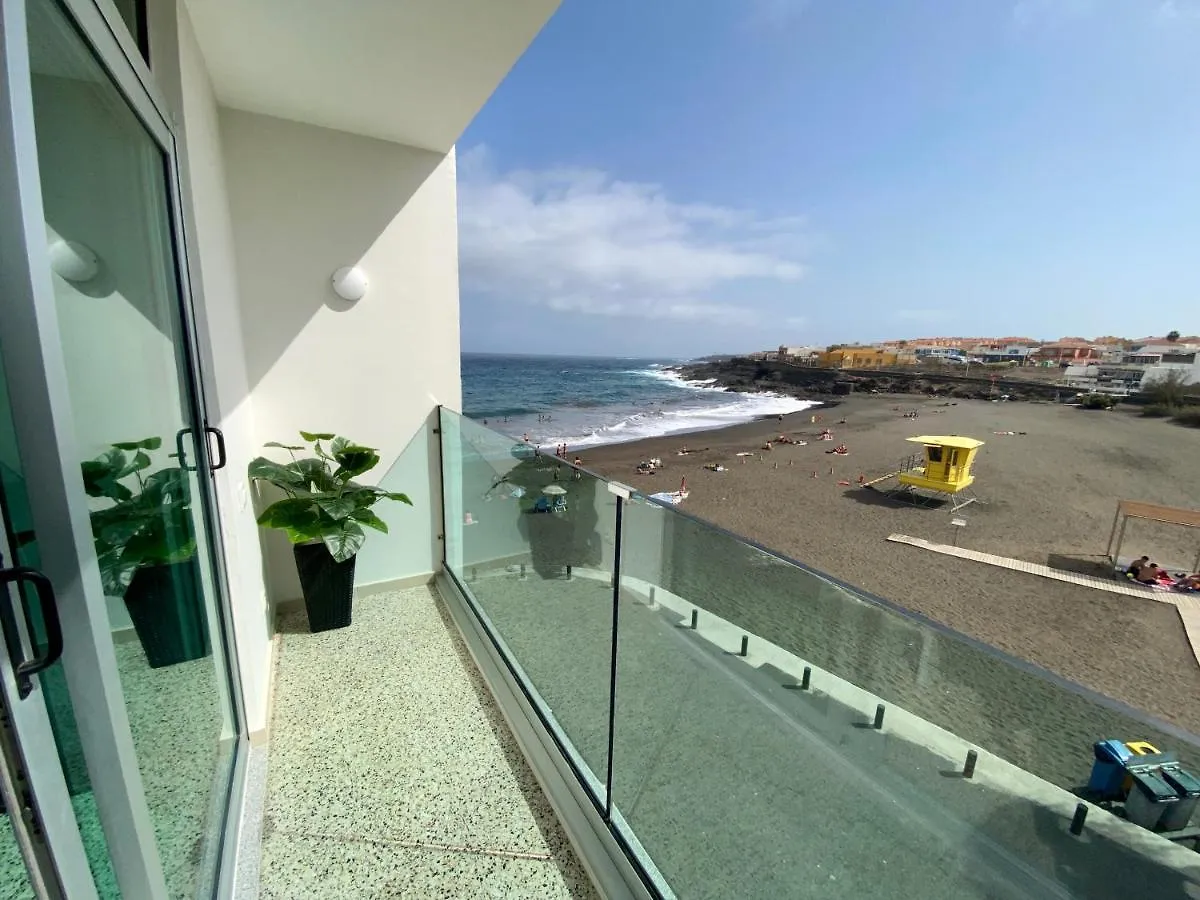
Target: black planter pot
column 328, row 587
column 166, row 604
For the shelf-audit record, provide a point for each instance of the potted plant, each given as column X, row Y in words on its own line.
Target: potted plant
column 323, row 513
column 146, row 548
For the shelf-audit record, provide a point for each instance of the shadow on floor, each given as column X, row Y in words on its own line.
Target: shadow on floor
column 873, row 497
column 1097, row 566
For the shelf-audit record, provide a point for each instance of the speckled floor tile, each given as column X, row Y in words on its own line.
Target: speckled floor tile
column 384, row 736
column 302, row 867
column 175, row 718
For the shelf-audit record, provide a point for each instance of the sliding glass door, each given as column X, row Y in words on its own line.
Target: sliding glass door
column 105, row 471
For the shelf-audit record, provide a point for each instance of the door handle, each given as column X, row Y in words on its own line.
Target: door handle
column 208, row 429
column 183, row 463
column 220, row 436
column 25, row 669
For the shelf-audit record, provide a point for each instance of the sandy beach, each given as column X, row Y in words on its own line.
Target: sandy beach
column 1049, row 494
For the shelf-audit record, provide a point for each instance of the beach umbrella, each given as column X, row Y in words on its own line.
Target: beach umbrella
column 554, row 489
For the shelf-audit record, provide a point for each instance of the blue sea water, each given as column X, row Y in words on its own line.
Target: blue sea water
column 593, row 400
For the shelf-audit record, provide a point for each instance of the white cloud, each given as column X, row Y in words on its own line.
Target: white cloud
column 1179, row 9
column 577, row 240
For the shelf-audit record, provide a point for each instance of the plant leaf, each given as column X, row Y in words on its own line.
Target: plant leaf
column 368, row 518
column 286, row 477
column 353, row 459
column 344, row 539
column 313, row 472
column 334, row 506
column 317, row 436
column 150, row 443
column 392, row 495
column 99, row 480
column 283, row 446
column 296, row 515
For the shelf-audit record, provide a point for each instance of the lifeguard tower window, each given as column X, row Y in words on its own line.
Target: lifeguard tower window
column 935, row 454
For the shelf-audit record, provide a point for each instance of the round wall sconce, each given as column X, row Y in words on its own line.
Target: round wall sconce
column 73, row 261
column 350, row 283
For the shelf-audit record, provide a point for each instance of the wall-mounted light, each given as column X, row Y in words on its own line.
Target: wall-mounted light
column 350, row 283
column 73, row 261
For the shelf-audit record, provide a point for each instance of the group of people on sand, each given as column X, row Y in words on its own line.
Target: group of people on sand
column 1143, row 571
column 648, row 466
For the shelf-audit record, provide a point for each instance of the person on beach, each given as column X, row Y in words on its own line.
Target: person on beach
column 1137, row 565
column 1148, row 574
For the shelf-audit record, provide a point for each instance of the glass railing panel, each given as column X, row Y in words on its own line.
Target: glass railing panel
column 530, row 540
column 732, row 776
column 1031, row 719
column 410, row 548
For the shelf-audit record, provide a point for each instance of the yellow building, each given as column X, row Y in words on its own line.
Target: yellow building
column 947, row 468
column 858, row 358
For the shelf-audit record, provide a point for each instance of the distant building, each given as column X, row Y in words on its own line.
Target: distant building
column 1016, row 353
column 858, row 358
column 1186, row 363
column 802, row 355
column 1068, row 350
column 1101, row 378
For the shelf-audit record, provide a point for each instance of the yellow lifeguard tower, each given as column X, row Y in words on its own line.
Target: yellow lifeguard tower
column 946, row 469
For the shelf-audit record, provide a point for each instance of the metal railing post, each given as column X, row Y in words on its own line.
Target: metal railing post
column 612, row 669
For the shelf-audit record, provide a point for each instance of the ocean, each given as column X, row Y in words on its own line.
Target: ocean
column 585, row 401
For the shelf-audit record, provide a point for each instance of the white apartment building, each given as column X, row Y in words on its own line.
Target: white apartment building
column 181, row 181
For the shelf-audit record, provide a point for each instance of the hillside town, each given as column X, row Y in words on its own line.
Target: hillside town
column 1110, row 365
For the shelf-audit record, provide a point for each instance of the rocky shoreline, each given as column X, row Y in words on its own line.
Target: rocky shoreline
column 811, row 383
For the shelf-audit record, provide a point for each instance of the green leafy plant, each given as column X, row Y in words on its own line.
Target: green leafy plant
column 149, row 521
column 1096, row 401
column 323, row 500
column 1157, row 410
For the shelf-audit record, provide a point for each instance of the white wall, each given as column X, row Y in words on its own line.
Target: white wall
column 304, row 202
column 211, row 253
column 1191, row 373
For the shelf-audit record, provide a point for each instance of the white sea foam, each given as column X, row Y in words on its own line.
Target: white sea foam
column 639, row 425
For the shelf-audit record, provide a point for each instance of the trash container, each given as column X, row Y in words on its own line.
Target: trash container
column 1108, row 771
column 1149, row 798
column 1187, row 788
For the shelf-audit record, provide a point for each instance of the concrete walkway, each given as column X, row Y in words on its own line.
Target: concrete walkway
column 1188, row 605
column 392, row 773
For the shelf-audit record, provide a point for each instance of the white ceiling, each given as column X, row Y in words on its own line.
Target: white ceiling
column 413, row 71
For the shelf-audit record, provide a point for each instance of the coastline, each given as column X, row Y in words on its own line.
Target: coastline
column 1049, row 494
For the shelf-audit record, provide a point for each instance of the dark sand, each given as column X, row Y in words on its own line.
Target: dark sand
column 1050, row 498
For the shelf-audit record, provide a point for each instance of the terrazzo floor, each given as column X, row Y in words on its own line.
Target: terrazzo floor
column 174, row 717
column 392, row 772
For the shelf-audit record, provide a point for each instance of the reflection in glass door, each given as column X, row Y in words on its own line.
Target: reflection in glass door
column 134, row 421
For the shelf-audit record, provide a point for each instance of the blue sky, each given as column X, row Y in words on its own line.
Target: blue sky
column 682, row 177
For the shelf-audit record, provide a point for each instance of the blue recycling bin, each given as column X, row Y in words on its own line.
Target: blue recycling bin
column 1108, row 771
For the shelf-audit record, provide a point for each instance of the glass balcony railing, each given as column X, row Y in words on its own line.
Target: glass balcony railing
column 749, row 727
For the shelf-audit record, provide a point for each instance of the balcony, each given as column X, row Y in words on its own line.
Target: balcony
column 707, row 719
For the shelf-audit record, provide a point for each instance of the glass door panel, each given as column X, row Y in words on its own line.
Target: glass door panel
column 134, row 421
column 30, row 864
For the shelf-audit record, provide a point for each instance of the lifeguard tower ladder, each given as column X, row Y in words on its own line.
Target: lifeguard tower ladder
column 944, row 468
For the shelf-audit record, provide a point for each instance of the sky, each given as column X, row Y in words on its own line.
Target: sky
column 686, row 177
